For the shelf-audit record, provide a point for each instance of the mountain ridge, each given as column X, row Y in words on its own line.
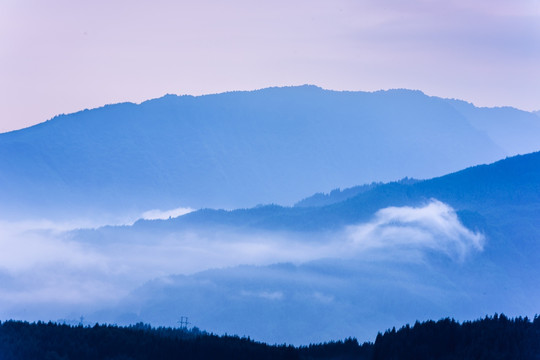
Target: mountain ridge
column 234, row 149
column 172, row 95
column 356, row 290
column 469, row 190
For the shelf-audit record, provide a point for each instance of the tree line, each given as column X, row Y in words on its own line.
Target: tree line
column 496, row 337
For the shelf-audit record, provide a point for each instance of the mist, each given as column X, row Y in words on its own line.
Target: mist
column 434, row 226
column 51, row 270
column 167, row 214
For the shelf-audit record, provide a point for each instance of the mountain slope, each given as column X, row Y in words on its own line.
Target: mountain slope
column 234, row 149
column 488, row 189
column 410, row 274
column 514, row 130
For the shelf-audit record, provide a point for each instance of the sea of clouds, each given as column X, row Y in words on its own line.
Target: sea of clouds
column 47, row 270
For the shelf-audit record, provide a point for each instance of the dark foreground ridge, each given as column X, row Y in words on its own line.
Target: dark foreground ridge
column 496, row 337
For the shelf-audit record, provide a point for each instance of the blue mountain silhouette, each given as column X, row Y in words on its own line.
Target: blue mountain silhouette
column 361, row 294
column 239, row 149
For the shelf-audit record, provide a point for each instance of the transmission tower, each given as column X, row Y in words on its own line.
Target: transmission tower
column 183, row 322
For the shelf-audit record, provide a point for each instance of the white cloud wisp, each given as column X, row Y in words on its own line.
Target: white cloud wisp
column 434, row 226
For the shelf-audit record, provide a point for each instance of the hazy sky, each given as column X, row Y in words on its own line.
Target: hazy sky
column 60, row 56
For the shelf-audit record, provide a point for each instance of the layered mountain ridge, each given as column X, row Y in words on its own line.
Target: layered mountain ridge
column 239, row 149
column 464, row 244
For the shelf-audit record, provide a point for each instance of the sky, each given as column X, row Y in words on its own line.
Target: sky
column 61, row 56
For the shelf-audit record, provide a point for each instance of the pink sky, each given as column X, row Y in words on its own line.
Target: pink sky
column 61, row 56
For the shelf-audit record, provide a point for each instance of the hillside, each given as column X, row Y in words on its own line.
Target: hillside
column 489, row 190
column 240, row 149
column 473, row 250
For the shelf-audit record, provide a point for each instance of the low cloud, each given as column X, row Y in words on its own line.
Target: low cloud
column 269, row 295
column 44, row 266
column 165, row 214
column 434, row 226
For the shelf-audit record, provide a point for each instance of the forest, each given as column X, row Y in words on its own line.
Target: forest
column 495, row 337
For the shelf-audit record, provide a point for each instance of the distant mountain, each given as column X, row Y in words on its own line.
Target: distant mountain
column 495, row 189
column 240, row 149
column 513, row 130
column 412, row 274
column 338, row 195
column 501, row 200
